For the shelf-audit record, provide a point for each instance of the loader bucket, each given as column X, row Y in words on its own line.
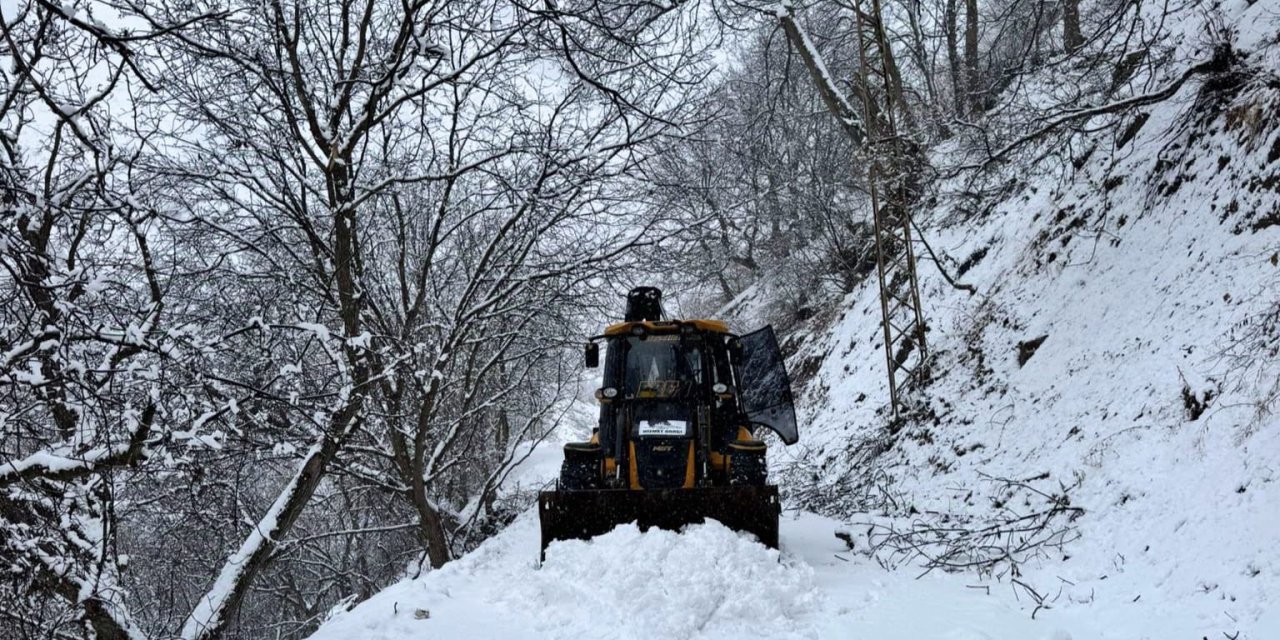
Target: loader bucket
column 566, row 515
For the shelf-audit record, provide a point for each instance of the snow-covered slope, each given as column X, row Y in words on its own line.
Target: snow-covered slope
column 1149, row 279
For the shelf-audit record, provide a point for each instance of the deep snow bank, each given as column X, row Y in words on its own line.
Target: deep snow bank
column 708, row 582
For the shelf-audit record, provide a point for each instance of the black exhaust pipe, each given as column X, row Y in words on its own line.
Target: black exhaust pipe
column 644, row 304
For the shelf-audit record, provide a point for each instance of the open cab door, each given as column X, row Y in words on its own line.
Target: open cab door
column 764, row 387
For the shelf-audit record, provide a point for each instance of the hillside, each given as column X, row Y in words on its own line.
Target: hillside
column 1119, row 358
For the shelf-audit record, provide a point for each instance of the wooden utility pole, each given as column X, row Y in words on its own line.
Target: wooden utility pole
column 888, row 176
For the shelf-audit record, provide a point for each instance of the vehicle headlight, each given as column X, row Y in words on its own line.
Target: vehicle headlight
column 609, row 392
column 720, row 387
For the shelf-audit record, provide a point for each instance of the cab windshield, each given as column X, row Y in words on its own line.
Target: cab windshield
column 661, row 366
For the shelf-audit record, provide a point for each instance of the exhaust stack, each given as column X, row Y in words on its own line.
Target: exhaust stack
column 644, row 304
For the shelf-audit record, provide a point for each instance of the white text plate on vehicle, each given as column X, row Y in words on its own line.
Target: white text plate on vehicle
column 662, row 428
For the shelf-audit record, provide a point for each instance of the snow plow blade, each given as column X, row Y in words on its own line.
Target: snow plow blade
column 567, row 515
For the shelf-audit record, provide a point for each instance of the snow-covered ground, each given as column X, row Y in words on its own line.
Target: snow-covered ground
column 710, row 582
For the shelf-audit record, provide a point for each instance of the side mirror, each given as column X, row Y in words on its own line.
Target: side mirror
column 593, row 355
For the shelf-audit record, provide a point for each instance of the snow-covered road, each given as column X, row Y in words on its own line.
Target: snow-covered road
column 710, row 582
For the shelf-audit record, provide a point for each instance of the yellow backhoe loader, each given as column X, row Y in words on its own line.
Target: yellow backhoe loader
column 680, row 404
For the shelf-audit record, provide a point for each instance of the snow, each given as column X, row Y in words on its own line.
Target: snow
column 32, row 376
column 50, row 462
column 321, row 331
column 60, row 460
column 711, row 582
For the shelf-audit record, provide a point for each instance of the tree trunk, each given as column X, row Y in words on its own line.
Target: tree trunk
column 831, row 95
column 211, row 615
column 504, row 426
column 97, row 614
column 430, row 528
column 972, row 89
column 431, row 531
column 895, row 102
column 1072, row 39
column 959, row 89
column 920, row 53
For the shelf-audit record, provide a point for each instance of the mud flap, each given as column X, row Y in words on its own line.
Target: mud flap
column 566, row 515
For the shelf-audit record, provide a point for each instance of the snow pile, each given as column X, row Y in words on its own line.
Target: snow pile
column 707, row 582
column 710, row 583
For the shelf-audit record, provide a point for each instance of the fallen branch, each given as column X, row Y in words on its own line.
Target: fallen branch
column 995, row 547
column 938, row 263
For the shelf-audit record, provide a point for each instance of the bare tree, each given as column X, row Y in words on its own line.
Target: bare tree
column 335, row 256
column 428, row 201
column 951, row 28
column 84, row 337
